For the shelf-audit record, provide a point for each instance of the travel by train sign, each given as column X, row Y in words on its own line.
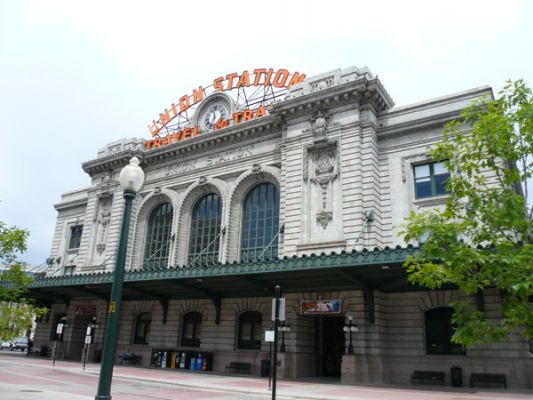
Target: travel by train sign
column 253, row 91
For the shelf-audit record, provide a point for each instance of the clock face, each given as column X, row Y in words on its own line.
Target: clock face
column 213, row 115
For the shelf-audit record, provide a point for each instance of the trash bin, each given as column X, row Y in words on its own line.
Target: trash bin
column 457, row 376
column 265, row 368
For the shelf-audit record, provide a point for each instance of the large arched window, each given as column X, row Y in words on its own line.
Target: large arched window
column 250, row 330
column 158, row 236
column 204, row 239
column 260, row 225
column 439, row 331
column 192, row 329
column 143, row 323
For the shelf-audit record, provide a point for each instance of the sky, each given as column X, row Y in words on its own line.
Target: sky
column 76, row 75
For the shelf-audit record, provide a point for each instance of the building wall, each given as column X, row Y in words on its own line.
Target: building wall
column 386, row 351
column 330, row 176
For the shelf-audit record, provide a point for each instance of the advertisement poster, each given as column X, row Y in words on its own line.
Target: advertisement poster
column 317, row 307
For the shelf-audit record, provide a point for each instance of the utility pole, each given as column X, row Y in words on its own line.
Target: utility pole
column 276, row 325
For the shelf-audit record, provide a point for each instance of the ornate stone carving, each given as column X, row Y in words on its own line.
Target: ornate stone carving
column 106, row 182
column 103, row 218
column 323, row 167
column 323, row 83
column 319, row 126
column 202, row 180
column 100, row 247
column 256, row 168
column 157, row 190
column 323, row 217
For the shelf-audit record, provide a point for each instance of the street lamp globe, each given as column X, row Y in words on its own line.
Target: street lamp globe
column 131, row 177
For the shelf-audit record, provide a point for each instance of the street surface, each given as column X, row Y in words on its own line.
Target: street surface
column 31, row 378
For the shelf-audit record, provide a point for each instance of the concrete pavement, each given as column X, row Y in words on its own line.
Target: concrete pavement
column 35, row 378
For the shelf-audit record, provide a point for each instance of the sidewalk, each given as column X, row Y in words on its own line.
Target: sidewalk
column 286, row 389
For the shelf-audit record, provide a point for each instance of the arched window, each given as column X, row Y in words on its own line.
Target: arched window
column 260, row 225
column 158, row 236
column 192, row 328
column 204, row 239
column 439, row 331
column 250, row 330
column 143, row 323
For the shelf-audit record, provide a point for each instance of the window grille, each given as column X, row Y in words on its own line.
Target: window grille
column 260, row 226
column 204, row 239
column 158, row 237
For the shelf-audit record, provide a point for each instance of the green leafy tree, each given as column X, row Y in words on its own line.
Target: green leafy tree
column 483, row 237
column 16, row 311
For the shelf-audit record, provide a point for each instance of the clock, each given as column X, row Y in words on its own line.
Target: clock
column 213, row 114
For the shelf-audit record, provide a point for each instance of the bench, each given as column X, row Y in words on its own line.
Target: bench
column 499, row 379
column 41, row 351
column 238, row 366
column 427, row 376
column 133, row 359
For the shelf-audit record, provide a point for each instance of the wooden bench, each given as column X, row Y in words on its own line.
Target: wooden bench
column 427, row 376
column 498, row 379
column 238, row 366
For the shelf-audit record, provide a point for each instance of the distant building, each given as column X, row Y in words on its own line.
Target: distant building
column 307, row 193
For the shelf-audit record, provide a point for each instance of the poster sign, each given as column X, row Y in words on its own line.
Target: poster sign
column 321, row 307
column 88, row 339
column 59, row 329
column 281, row 309
column 269, row 336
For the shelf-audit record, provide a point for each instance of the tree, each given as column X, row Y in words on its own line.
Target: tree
column 483, row 237
column 16, row 311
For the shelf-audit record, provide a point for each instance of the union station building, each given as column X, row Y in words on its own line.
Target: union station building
column 262, row 180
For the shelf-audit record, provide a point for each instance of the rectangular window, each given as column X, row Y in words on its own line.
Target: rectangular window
column 430, row 179
column 75, row 237
column 69, row 270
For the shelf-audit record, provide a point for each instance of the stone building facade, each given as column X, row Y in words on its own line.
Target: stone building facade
column 347, row 168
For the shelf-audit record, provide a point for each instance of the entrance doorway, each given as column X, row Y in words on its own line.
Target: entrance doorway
column 77, row 337
column 330, row 344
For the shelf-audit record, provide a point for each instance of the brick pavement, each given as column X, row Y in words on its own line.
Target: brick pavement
column 131, row 383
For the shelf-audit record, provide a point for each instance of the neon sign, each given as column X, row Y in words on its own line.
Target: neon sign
column 174, row 123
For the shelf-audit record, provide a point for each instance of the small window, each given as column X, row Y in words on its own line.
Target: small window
column 430, row 179
column 75, row 237
column 250, row 330
column 69, row 270
column 192, row 328
column 439, row 331
column 143, row 323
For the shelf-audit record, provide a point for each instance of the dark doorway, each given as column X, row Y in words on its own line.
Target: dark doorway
column 331, row 344
column 75, row 345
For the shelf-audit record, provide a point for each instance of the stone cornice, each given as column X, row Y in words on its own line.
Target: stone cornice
column 362, row 90
column 71, row 204
column 111, row 162
column 363, row 258
column 422, row 124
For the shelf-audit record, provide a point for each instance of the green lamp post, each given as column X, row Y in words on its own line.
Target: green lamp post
column 131, row 179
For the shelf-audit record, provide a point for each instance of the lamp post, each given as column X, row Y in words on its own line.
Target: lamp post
column 349, row 328
column 131, row 179
column 283, row 328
